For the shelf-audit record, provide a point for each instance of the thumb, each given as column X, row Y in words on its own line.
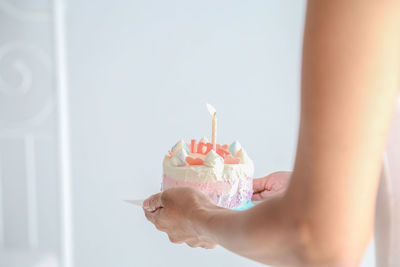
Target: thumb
column 152, row 203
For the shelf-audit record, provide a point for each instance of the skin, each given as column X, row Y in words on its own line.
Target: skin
column 350, row 78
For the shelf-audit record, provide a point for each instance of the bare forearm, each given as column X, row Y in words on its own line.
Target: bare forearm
column 264, row 233
column 351, row 66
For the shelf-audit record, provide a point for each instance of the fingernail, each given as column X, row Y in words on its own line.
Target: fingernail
column 146, row 205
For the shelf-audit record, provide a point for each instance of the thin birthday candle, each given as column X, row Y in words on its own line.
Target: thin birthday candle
column 214, row 131
column 213, row 113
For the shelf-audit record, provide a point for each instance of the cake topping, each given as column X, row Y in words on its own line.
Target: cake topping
column 201, row 147
column 204, row 140
column 222, row 151
column 231, row 160
column 179, row 157
column 194, row 161
column 234, row 148
column 193, row 147
column 213, row 159
column 178, row 146
column 213, row 113
column 201, row 153
column 244, row 158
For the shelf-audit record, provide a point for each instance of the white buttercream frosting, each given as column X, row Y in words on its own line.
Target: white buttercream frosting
column 203, row 173
column 244, row 158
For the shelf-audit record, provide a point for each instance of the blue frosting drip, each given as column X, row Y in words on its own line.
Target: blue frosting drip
column 232, row 148
column 244, row 206
column 186, row 148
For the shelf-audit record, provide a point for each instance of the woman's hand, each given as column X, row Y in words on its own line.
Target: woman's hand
column 271, row 185
column 177, row 212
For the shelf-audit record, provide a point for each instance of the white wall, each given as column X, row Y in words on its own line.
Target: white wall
column 140, row 73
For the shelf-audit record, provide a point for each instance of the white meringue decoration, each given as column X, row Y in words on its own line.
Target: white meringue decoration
column 212, row 159
column 244, row 158
column 234, row 147
column 179, row 157
column 178, row 146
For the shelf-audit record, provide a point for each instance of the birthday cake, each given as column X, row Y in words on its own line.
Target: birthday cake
column 222, row 172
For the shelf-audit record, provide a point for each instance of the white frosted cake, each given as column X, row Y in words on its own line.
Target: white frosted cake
column 222, row 172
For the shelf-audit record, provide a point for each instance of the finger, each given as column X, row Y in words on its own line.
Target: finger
column 259, row 184
column 153, row 216
column 208, row 245
column 193, row 243
column 269, row 193
column 256, row 197
column 265, row 195
column 274, row 181
column 152, row 203
column 175, row 240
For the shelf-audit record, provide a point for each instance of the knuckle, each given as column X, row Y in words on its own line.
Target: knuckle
column 210, row 246
column 171, row 239
column 159, row 225
column 174, row 240
column 157, row 221
column 193, row 244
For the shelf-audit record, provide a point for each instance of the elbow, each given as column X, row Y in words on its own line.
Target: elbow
column 314, row 247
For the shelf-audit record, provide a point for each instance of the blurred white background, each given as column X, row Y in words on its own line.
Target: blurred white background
column 139, row 75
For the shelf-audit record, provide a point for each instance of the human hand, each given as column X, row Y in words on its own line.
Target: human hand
column 271, row 185
column 178, row 211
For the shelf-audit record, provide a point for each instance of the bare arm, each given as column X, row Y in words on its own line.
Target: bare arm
column 350, row 77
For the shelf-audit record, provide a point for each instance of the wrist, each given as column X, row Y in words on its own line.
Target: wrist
column 207, row 221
